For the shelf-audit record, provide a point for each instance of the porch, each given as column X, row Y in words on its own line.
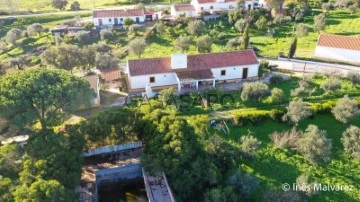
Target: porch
column 193, row 80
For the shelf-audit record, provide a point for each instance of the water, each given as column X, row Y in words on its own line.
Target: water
column 133, row 190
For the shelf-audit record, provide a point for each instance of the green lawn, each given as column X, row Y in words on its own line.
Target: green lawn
column 277, row 166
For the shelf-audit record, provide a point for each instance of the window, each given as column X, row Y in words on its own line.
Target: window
column 211, row 7
column 152, row 79
column 121, row 19
column 110, row 19
column 223, row 72
column 202, row 8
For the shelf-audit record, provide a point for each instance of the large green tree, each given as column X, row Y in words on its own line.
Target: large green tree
column 40, row 94
column 63, row 57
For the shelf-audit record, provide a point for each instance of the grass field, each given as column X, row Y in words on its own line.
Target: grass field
column 277, row 166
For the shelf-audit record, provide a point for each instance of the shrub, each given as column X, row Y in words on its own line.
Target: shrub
column 254, row 91
column 233, row 43
column 277, row 95
column 264, row 64
column 353, row 77
column 204, row 43
column 35, row 28
column 128, row 22
column 83, row 37
column 322, row 107
column 299, row 92
column 249, row 144
column 105, row 34
column 13, row 35
column 314, row 145
column 213, row 32
column 88, row 26
column 182, row 43
column 331, row 85
column 166, row 96
column 346, row 109
column 351, row 141
column 137, row 46
column 75, row 6
column 305, row 184
column 221, row 36
column 255, row 116
column 286, row 139
column 276, row 79
column 196, row 27
column 296, row 111
column 160, row 28
column 280, row 20
column 240, row 24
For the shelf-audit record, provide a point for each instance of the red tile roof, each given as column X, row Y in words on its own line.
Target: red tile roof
column 117, row 13
column 110, row 74
column 184, row 7
column 195, row 75
column 194, row 62
column 338, row 41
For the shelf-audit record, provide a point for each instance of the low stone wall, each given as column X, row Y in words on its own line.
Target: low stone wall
column 110, row 149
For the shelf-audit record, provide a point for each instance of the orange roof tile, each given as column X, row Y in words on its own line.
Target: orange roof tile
column 338, row 41
column 184, row 7
column 107, row 13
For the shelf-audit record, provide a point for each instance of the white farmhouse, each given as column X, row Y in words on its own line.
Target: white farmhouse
column 186, row 10
column 338, row 48
column 220, row 5
column 191, row 71
column 115, row 17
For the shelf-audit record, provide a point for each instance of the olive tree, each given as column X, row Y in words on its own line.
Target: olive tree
column 331, row 85
column 254, row 91
column 196, row 27
column 353, row 77
column 82, row 37
column 345, row 109
column 314, row 145
column 59, row 4
column 249, row 144
column 351, row 141
column 182, row 43
column 204, row 43
column 105, row 34
column 35, row 28
column 296, row 111
column 137, row 46
column 277, row 95
column 13, row 35
column 319, row 22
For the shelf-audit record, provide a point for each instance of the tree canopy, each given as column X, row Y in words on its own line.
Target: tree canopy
column 41, row 94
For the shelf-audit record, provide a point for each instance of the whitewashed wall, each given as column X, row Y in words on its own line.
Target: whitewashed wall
column 337, row 54
column 105, row 21
column 176, row 14
column 235, row 72
column 224, row 6
column 160, row 80
column 113, row 148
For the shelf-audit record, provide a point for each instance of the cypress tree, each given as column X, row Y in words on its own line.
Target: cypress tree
column 293, row 48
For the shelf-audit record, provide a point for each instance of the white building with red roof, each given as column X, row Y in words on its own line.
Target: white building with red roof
column 189, row 71
column 115, row 17
column 334, row 48
column 220, row 5
column 186, row 10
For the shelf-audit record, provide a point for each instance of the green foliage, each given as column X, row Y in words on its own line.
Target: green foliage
column 233, row 43
column 351, row 141
column 167, row 96
column 75, row 6
column 319, row 22
column 35, row 28
column 302, row 30
column 285, row 139
column 241, row 24
column 83, row 37
column 346, row 109
column 160, row 28
column 331, row 85
column 59, row 4
column 277, row 95
column 204, row 43
column 63, row 57
column 182, row 43
column 225, row 194
column 296, row 111
column 196, row 27
column 41, row 94
column 293, row 47
column 137, row 46
column 243, row 117
column 13, row 35
column 249, row 144
column 105, row 61
column 88, row 26
column 245, row 38
column 261, row 23
column 254, row 91
column 221, row 36
column 128, row 22
column 105, row 34
column 314, row 146
column 276, row 79
column 353, row 77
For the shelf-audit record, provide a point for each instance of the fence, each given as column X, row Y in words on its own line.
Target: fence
column 114, row 148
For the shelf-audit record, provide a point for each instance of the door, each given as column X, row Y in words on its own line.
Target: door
column 116, row 21
column 245, row 73
column 100, row 22
column 137, row 20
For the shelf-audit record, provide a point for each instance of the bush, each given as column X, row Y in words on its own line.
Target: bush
column 322, row 107
column 276, row 79
column 277, row 95
column 249, row 144
column 105, row 34
column 75, row 6
column 88, row 26
column 280, row 20
column 128, row 22
column 240, row 24
column 221, row 36
column 264, row 64
column 286, row 139
column 204, row 43
column 255, row 116
column 35, row 28
column 351, row 141
column 182, row 43
column 213, row 32
column 346, row 109
column 233, row 43
column 296, row 111
column 83, row 37
column 160, row 28
column 13, row 35
column 254, row 91
column 353, row 77
column 314, row 145
column 331, row 85
column 299, row 92
column 196, row 27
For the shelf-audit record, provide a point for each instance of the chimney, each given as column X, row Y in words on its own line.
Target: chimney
column 178, row 61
